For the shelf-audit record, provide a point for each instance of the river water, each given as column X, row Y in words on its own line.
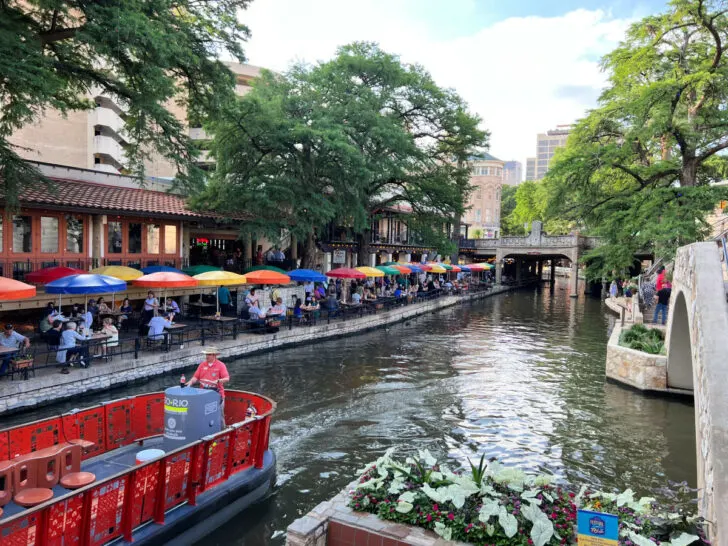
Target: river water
column 519, row 376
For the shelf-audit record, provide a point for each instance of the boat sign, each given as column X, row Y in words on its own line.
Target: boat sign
column 597, row 528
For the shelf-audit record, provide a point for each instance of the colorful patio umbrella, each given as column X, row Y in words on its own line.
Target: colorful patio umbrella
column 370, row 271
column 219, row 278
column 306, row 275
column 264, row 276
column 437, row 268
column 403, row 269
column 165, row 280
column 119, row 272
column 448, row 267
column 15, row 290
column 464, row 268
column 86, row 283
column 346, row 273
column 266, row 268
column 388, row 270
column 455, row 268
column 50, row 274
column 415, row 268
column 197, row 269
column 159, row 269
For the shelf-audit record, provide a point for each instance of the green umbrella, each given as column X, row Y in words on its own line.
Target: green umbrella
column 446, row 266
column 197, row 269
column 266, row 268
column 388, row 270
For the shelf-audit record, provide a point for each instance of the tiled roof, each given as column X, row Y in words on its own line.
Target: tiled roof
column 74, row 194
column 483, row 156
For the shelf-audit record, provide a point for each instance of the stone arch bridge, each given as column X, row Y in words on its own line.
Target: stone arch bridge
column 697, row 360
column 533, row 250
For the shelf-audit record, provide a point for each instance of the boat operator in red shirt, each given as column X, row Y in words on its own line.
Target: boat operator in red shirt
column 212, row 374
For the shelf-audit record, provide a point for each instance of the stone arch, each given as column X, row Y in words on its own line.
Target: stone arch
column 696, row 333
column 680, row 362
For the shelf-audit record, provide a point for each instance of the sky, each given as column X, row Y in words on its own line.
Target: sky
column 524, row 66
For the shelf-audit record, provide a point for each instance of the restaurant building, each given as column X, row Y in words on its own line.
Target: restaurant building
column 88, row 219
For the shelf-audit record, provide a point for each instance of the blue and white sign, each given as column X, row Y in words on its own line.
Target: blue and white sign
column 597, row 528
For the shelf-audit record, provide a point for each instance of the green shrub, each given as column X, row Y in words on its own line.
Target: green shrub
column 641, row 338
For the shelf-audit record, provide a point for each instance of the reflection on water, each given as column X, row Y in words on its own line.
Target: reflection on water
column 518, row 376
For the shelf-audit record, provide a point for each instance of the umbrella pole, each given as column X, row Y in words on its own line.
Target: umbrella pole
column 217, row 300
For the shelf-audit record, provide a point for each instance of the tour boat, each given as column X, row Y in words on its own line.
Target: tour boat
column 97, row 475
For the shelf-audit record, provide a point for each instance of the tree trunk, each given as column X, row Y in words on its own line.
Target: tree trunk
column 364, row 252
column 308, row 256
column 689, row 172
column 455, row 238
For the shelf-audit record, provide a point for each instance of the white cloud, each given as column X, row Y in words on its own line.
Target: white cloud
column 522, row 75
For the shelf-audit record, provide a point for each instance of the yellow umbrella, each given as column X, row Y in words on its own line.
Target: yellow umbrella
column 219, row 278
column 118, row 272
column 370, row 271
column 436, row 268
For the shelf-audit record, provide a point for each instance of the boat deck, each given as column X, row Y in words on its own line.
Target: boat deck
column 103, row 466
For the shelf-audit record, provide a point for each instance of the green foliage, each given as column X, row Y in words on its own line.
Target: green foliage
column 641, row 338
column 145, row 54
column 495, row 504
column 637, row 170
column 343, row 141
column 527, row 204
column 509, row 224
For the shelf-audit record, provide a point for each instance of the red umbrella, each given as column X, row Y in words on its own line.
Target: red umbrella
column 346, row 273
column 15, row 290
column 165, row 280
column 455, row 269
column 50, row 274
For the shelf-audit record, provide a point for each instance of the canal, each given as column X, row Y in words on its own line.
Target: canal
column 518, row 376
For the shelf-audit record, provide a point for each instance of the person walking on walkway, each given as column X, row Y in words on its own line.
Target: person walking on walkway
column 613, row 288
column 663, row 300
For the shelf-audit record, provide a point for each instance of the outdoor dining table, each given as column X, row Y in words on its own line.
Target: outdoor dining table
column 8, row 350
column 94, row 339
column 176, row 329
column 221, row 322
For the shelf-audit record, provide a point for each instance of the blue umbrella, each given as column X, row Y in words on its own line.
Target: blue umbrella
column 87, row 283
column 306, row 275
column 414, row 268
column 159, row 269
column 464, row 267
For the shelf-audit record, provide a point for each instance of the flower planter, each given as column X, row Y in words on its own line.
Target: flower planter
column 23, row 366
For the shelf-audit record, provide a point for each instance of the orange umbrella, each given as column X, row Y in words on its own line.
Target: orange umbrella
column 401, row 268
column 15, row 290
column 263, row 276
column 165, row 280
column 455, row 269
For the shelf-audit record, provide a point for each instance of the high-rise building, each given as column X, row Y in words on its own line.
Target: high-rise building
column 483, row 215
column 531, row 168
column 96, row 139
column 546, row 146
column 513, row 173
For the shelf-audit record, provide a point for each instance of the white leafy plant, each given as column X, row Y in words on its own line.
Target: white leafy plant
column 459, row 487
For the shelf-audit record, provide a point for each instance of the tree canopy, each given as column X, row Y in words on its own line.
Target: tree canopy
column 341, row 142
column 58, row 54
column 640, row 168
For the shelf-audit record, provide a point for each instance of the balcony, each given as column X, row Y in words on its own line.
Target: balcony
column 198, row 133
column 106, row 168
column 108, row 119
column 107, row 146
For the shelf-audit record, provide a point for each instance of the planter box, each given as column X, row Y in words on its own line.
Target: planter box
column 643, row 371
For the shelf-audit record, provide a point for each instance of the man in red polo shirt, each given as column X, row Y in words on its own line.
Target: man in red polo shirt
column 212, row 374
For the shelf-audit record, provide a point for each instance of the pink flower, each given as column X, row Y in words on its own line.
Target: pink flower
column 429, row 517
column 435, row 507
column 451, row 516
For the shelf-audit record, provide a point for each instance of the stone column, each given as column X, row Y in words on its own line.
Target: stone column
column 552, row 278
column 498, row 271
column 97, row 250
column 574, row 279
column 519, row 267
column 327, row 262
column 407, row 257
column 247, row 251
column 372, row 260
column 539, row 270
column 389, row 256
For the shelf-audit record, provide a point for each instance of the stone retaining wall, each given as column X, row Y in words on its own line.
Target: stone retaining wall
column 47, row 389
column 642, row 371
column 333, row 523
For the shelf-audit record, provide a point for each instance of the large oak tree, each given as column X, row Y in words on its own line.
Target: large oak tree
column 341, row 142
column 640, row 168
column 145, row 53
